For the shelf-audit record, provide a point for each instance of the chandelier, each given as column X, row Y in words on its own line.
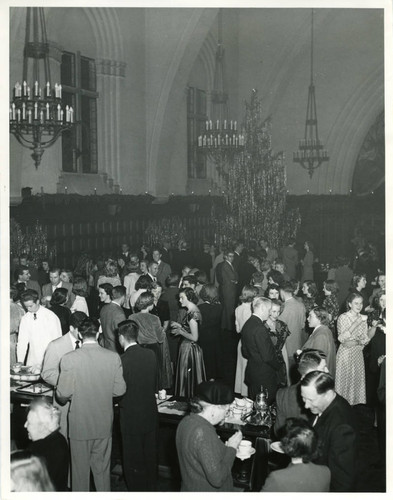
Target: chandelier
column 221, row 139
column 37, row 114
column 311, row 153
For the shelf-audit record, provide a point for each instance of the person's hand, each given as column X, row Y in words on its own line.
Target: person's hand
column 234, row 440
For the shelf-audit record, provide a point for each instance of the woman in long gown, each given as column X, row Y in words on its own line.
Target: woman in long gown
column 190, row 370
column 152, row 336
column 353, row 335
column 279, row 332
column 242, row 313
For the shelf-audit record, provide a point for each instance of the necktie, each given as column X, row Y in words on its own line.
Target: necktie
column 34, row 315
column 77, row 342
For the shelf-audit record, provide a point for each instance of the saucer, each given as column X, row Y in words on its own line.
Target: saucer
column 276, row 446
column 245, row 456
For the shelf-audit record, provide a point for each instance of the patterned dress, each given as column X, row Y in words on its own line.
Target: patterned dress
column 350, row 374
column 190, row 366
column 278, row 337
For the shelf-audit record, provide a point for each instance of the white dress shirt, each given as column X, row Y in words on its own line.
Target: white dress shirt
column 37, row 333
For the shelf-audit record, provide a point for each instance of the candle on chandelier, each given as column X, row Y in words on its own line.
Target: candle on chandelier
column 41, row 116
column 200, row 141
column 60, row 90
column 28, row 92
column 71, row 114
column 18, row 114
column 23, row 111
column 36, row 88
column 35, row 111
column 29, row 116
column 47, row 111
column 47, row 89
column 218, row 124
column 61, row 115
column 24, row 88
column 210, row 125
column 225, row 124
column 235, row 124
column 58, row 112
column 67, row 113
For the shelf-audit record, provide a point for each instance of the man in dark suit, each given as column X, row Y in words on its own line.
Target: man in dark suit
column 138, row 411
column 334, row 425
column 164, row 269
column 288, row 399
column 55, row 282
column 22, row 275
column 110, row 316
column 227, row 279
column 90, row 377
column 257, row 347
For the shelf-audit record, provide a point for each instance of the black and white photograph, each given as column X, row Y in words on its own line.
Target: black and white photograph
column 194, row 243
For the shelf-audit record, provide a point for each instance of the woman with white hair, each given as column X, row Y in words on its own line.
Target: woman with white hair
column 42, row 425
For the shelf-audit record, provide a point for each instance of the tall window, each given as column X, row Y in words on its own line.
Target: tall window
column 78, row 80
column 196, row 122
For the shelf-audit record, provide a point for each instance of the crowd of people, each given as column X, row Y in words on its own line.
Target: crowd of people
column 128, row 326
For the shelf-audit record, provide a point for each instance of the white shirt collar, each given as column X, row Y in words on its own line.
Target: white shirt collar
column 130, row 345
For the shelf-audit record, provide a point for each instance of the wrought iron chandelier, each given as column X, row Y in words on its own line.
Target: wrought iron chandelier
column 37, row 114
column 221, row 140
column 311, row 153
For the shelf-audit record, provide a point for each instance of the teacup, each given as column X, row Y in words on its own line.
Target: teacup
column 248, row 402
column 237, row 412
column 245, row 447
column 240, row 402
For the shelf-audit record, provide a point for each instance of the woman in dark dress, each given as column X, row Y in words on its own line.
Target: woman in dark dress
column 359, row 282
column 331, row 305
column 279, row 332
column 190, row 369
column 209, row 329
column 59, row 298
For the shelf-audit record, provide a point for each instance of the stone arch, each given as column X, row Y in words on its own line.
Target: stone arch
column 188, row 47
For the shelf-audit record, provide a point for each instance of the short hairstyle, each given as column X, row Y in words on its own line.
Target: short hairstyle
column 77, row 318
column 257, row 278
column 29, row 294
column 258, row 301
column 143, row 282
column 375, row 300
column 29, row 473
column 191, row 279
column 209, row 293
column 248, row 293
column 59, row 297
column 312, row 287
column 69, row 272
column 287, row 287
column 331, row 286
column 129, row 330
column 309, row 360
column 107, row 287
column 49, row 415
column 272, row 286
column 276, row 276
column 156, row 249
column 144, row 300
column 322, row 381
column 276, row 302
column 352, row 296
column 19, row 271
column 172, row 280
column 322, row 315
column 111, row 269
column 88, row 328
column 54, row 269
column 300, row 440
column 152, row 263
column 190, row 294
column 80, row 287
column 119, row 291
column 201, row 277
column 356, row 278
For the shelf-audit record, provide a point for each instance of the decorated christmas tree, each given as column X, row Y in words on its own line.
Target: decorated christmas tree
column 255, row 193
